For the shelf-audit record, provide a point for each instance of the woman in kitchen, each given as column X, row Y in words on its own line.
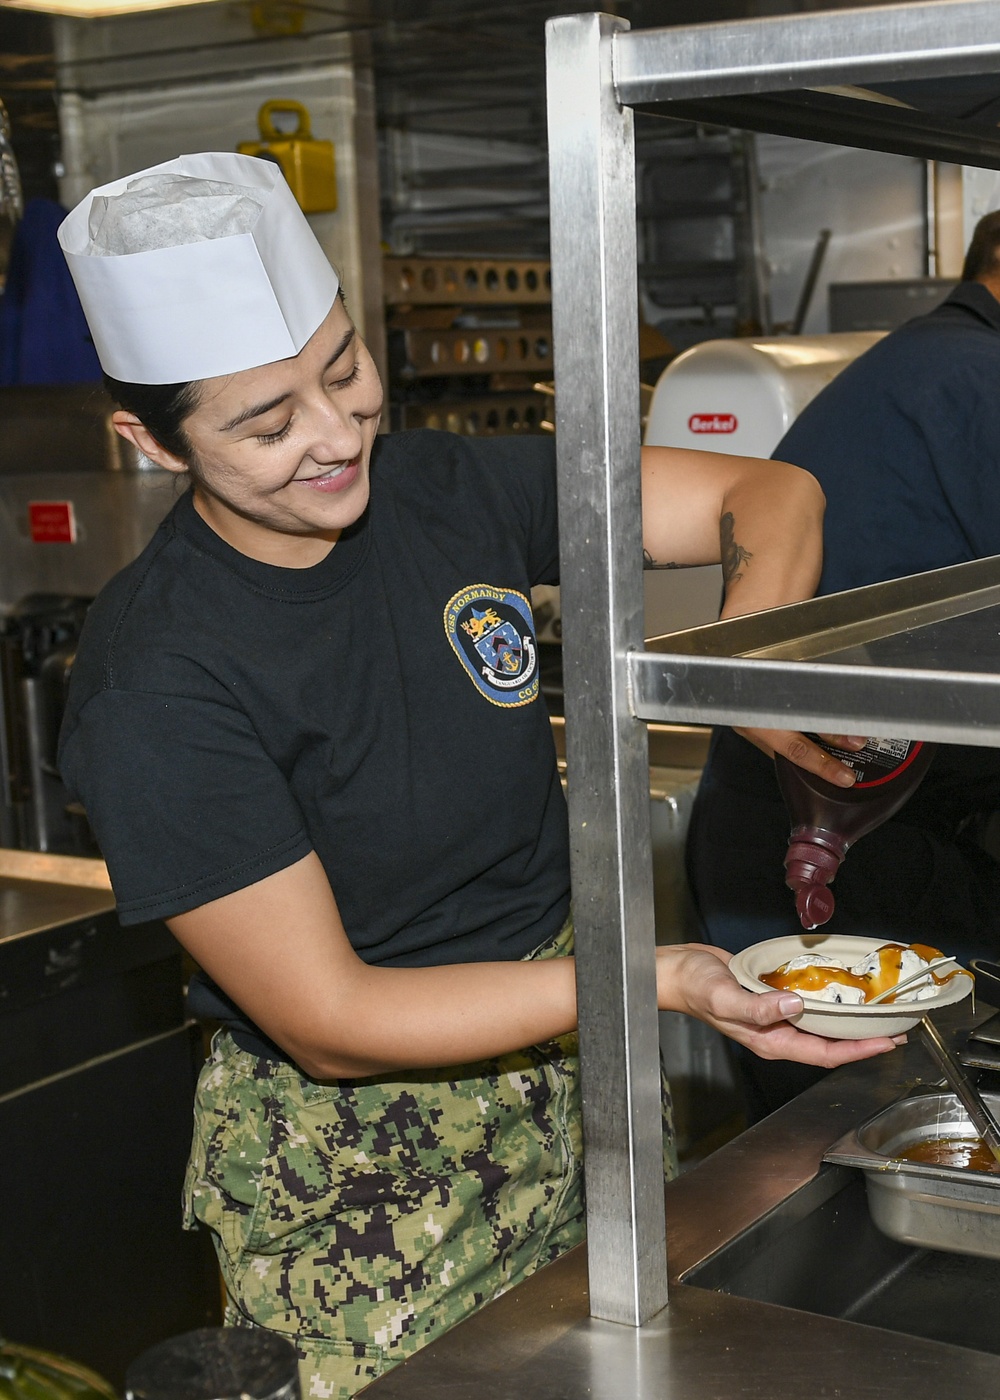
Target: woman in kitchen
column 307, row 730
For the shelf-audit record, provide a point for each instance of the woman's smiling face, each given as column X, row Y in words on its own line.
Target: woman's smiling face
column 280, row 453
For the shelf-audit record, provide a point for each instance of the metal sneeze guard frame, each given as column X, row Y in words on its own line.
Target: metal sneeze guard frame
column 597, row 70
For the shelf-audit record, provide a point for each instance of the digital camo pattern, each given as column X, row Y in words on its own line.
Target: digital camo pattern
column 363, row 1218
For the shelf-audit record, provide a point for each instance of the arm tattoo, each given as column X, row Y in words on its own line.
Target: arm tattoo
column 734, row 556
column 648, row 562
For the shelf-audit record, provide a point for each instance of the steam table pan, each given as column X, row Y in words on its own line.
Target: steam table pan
column 915, row 1202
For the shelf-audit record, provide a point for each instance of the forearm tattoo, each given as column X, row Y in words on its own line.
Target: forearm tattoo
column 734, row 556
column 648, row 562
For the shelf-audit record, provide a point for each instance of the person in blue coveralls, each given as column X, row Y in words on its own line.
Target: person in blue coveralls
column 906, row 445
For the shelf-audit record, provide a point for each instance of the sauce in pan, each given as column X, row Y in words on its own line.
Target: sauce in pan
column 968, row 1153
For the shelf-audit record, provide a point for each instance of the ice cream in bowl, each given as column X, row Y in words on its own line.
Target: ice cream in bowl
column 837, row 976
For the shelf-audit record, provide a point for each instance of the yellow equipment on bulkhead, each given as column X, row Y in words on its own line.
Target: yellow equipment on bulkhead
column 308, row 165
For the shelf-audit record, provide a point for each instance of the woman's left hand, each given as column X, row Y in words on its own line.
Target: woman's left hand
column 695, row 978
column 801, row 751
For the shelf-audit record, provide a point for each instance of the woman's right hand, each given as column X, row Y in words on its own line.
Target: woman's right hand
column 695, row 978
column 279, row 949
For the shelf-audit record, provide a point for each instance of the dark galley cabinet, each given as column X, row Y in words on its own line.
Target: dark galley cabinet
column 97, row 1070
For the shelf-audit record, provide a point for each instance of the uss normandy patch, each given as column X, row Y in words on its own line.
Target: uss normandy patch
column 492, row 634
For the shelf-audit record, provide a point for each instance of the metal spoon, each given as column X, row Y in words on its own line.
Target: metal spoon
column 909, row 981
column 962, row 1086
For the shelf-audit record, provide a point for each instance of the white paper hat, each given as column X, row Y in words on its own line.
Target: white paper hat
column 198, row 299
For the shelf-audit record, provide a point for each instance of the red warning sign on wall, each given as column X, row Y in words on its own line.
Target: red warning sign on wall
column 52, row 522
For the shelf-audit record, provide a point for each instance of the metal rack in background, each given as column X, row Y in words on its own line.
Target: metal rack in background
column 468, row 338
column 599, row 72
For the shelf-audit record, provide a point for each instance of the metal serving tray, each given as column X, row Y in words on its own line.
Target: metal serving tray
column 917, row 1203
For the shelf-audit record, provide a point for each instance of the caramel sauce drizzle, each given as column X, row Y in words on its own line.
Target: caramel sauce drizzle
column 890, row 957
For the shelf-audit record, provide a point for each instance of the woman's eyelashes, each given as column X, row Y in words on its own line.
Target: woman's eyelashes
column 268, row 439
column 348, row 379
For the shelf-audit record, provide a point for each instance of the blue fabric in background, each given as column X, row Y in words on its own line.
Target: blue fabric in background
column 44, row 337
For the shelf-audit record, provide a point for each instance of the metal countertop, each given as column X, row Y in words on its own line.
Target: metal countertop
column 27, row 906
column 539, row 1343
column 39, row 892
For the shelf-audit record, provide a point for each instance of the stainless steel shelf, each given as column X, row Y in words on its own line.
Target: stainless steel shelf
column 918, row 657
column 845, row 121
column 855, row 47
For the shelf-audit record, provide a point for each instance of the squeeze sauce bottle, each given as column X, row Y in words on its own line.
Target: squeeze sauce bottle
column 827, row 820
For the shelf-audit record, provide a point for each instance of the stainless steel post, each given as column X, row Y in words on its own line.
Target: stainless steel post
column 595, row 332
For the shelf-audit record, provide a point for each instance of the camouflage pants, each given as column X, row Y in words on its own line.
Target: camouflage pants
column 362, row 1218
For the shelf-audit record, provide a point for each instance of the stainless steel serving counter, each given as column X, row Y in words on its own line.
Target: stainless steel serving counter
column 750, row 1198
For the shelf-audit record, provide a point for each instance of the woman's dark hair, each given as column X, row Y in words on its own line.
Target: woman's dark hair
column 161, row 408
column 983, row 257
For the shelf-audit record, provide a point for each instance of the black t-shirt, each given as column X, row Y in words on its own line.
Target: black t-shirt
column 905, row 443
column 382, row 708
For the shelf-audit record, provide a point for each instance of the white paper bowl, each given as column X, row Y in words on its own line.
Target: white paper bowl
column 826, row 1018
